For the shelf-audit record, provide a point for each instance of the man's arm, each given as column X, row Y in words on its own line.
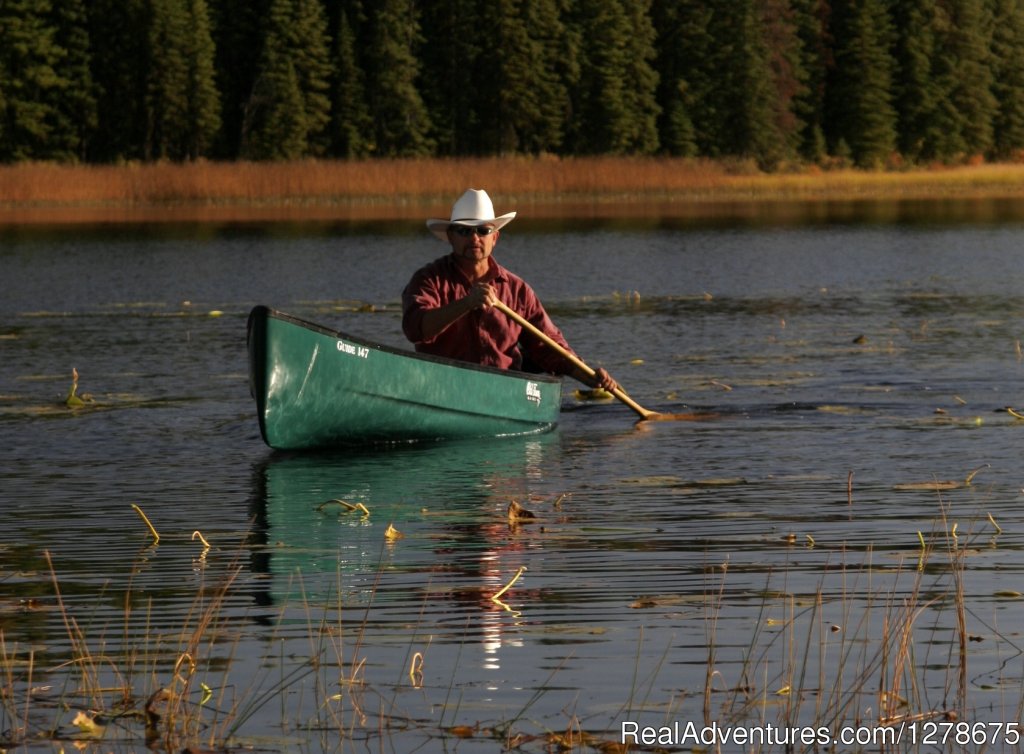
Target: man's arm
column 435, row 320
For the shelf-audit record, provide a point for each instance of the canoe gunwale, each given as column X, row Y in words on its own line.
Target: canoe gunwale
column 321, row 329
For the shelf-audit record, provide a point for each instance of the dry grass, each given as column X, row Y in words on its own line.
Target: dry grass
column 408, row 188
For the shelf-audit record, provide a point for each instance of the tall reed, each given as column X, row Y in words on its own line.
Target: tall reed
column 399, row 184
column 861, row 667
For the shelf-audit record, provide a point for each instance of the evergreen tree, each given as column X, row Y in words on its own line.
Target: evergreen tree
column 118, row 31
column 203, row 96
column 544, row 128
column 75, row 107
column 609, row 116
column 598, row 100
column 811, row 19
column 681, row 34
column 167, row 80
column 569, row 66
column 238, row 38
column 521, row 100
column 401, row 124
column 275, row 126
column 350, row 116
column 111, row 80
column 789, row 78
column 288, row 112
column 744, row 101
column 451, row 79
column 1008, row 79
column 641, row 95
column 686, row 63
column 963, row 69
column 918, row 92
column 310, row 50
column 30, row 59
column 862, row 117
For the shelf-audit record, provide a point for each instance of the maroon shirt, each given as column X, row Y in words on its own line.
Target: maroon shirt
column 481, row 337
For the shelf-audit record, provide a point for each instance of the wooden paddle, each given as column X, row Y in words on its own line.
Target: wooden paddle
column 645, row 414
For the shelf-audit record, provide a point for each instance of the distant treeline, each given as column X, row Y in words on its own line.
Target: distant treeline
column 871, row 83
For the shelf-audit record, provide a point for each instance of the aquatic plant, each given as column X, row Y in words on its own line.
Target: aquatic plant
column 401, row 188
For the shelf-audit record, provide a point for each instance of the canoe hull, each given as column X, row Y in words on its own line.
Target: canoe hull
column 317, row 388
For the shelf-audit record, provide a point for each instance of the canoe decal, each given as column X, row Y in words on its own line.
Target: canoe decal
column 361, row 351
column 533, row 392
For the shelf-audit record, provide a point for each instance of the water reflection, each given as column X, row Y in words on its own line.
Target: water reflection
column 322, row 521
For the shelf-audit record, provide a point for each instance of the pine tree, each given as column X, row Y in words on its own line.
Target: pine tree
column 30, row 59
column 811, row 23
column 310, row 50
column 614, row 109
column 862, row 117
column 274, row 126
column 451, row 78
column 237, row 30
column 203, row 96
column 167, row 80
column 521, row 101
column 918, row 93
column 1008, row 79
column 641, row 95
column 288, row 112
column 744, row 100
column 963, row 64
column 698, row 73
column 557, row 53
column 76, row 115
column 118, row 31
column 681, row 33
column 350, row 116
column 501, row 79
column 598, row 100
column 400, row 118
column 789, row 79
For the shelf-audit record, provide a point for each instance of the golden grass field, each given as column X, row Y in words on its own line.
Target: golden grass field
column 548, row 186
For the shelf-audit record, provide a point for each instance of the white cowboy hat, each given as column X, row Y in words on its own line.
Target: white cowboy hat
column 472, row 208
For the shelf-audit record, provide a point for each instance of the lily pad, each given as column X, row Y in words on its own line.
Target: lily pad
column 596, row 394
column 662, row 600
column 654, row 481
column 940, row 485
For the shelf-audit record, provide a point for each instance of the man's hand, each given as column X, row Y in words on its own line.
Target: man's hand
column 437, row 320
column 481, row 296
column 604, row 380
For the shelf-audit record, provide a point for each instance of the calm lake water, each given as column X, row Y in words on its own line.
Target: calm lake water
column 841, row 542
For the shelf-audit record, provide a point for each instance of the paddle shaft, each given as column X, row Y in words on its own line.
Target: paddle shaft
column 527, row 325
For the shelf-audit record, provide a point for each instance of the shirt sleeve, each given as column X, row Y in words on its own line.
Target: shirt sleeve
column 419, row 295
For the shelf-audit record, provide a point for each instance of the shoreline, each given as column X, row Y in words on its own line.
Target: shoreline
column 542, row 188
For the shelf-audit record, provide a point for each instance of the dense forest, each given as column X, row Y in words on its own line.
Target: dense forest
column 871, row 83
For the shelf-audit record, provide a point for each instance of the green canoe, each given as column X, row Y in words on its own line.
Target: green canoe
column 316, row 388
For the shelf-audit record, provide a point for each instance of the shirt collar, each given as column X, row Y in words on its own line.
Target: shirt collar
column 497, row 272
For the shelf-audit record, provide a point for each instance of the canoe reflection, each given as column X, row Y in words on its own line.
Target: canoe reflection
column 322, row 516
column 321, row 542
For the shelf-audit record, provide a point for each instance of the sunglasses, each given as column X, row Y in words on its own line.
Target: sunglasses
column 468, row 230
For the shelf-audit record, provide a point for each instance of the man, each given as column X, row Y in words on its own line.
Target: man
column 448, row 305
